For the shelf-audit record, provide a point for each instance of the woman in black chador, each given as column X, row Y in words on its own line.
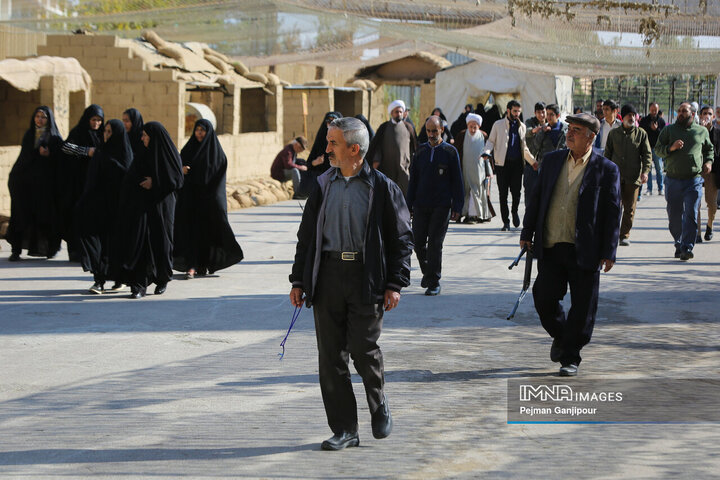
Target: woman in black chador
column 83, row 140
column 97, row 208
column 33, row 215
column 318, row 159
column 144, row 240
column 204, row 240
column 133, row 122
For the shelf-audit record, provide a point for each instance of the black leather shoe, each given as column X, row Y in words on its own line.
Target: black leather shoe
column 708, row 234
column 160, row 289
column 432, row 291
column 570, row 370
column 137, row 295
column 341, row 440
column 516, row 219
column 624, row 242
column 382, row 421
column 678, row 252
column 424, row 282
column 14, row 257
column 97, row 288
column 505, row 227
column 698, row 238
column 686, row 255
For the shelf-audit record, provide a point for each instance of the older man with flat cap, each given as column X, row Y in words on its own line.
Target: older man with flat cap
column 572, row 224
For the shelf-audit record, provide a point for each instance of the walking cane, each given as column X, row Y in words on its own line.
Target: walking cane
column 526, row 279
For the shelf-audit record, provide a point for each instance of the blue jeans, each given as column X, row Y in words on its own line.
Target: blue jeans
column 658, row 161
column 683, row 200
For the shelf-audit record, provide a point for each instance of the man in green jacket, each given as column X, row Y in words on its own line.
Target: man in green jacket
column 688, row 152
column 629, row 148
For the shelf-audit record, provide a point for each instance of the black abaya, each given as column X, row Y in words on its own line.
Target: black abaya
column 135, row 132
column 33, row 204
column 145, row 235
column 204, row 240
column 97, row 209
column 72, row 175
column 320, row 145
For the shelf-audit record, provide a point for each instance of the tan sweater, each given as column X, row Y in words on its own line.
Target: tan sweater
column 562, row 211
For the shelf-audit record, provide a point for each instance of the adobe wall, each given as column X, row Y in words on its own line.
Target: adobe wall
column 121, row 81
column 17, row 110
column 8, row 155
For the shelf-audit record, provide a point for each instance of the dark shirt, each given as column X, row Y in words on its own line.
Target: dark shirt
column 436, row 178
column 346, row 213
column 513, row 151
column 283, row 161
column 652, row 134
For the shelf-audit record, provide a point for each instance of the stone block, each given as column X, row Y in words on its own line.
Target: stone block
column 105, row 40
column 166, row 75
column 119, row 52
column 72, row 51
column 82, row 40
column 132, row 64
column 137, row 75
column 49, row 50
column 58, row 40
column 108, row 63
column 95, row 51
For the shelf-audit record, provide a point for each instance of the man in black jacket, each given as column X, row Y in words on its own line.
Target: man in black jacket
column 352, row 260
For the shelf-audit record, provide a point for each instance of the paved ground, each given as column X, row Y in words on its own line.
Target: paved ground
column 188, row 385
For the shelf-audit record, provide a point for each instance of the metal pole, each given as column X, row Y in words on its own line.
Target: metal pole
column 672, row 99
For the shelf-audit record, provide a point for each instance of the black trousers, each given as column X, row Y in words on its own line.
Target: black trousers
column 429, row 227
column 556, row 270
column 346, row 327
column 509, row 176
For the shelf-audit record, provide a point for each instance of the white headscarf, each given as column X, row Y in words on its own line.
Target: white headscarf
column 394, row 105
column 473, row 117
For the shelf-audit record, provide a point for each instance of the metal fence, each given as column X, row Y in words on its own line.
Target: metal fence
column 667, row 91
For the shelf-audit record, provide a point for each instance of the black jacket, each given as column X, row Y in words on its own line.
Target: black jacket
column 388, row 239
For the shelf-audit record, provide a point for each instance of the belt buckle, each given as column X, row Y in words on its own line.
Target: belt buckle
column 348, row 256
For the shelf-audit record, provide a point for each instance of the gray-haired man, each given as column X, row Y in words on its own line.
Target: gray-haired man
column 352, row 259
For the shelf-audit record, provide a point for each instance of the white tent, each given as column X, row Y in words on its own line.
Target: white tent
column 474, row 81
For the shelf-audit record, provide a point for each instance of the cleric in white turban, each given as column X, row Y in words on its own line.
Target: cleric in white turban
column 393, row 146
column 395, row 104
column 473, row 117
column 476, row 171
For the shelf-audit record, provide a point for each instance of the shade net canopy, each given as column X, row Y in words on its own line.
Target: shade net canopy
column 580, row 38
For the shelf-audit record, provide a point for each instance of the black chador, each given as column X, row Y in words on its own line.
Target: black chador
column 204, row 240
column 133, row 122
column 320, row 145
column 97, row 209
column 73, row 172
column 147, row 213
column 33, row 208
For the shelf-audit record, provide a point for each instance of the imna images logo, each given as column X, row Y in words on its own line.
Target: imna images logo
column 544, row 393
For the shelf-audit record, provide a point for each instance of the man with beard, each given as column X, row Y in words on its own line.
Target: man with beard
column 393, row 146
column 710, row 179
column 435, row 196
column 507, row 140
column 653, row 124
column 688, row 152
column 352, row 260
column 549, row 138
column 571, row 225
column 628, row 147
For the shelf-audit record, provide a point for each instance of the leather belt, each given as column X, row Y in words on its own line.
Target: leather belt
column 344, row 256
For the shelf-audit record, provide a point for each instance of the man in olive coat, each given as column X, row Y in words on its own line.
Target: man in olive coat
column 629, row 148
